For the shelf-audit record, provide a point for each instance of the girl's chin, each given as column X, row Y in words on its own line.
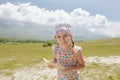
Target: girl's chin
column 64, row 46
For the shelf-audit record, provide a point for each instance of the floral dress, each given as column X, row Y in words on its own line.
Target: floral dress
column 64, row 58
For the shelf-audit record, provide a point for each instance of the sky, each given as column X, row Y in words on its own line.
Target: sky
column 108, row 8
column 96, row 15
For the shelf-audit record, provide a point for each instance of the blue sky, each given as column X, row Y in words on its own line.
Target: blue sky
column 97, row 16
column 108, row 8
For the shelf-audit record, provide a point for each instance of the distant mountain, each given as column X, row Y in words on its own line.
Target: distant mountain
column 28, row 30
column 80, row 33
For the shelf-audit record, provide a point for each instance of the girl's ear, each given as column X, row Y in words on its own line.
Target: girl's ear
column 55, row 40
column 54, row 37
column 71, row 36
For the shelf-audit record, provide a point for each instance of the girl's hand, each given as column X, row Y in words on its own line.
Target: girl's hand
column 66, row 69
column 55, row 65
column 50, row 65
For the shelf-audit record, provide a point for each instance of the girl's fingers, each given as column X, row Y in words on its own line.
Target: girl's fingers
column 50, row 65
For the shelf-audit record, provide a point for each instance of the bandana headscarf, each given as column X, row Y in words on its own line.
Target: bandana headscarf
column 63, row 28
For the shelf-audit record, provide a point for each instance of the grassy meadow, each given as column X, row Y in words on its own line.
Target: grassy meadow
column 14, row 55
column 104, row 47
column 22, row 54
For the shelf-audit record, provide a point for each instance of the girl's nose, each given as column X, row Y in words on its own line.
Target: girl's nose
column 62, row 38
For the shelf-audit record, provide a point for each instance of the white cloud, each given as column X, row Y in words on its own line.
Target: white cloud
column 112, row 28
column 78, row 17
column 92, row 30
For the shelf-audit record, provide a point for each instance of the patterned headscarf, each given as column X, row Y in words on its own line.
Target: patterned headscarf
column 63, row 28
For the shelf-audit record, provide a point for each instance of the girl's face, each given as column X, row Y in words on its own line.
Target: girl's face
column 64, row 39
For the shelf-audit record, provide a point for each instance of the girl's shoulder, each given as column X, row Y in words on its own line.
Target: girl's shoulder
column 55, row 48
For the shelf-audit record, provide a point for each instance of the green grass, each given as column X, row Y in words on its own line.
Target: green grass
column 14, row 55
column 22, row 54
column 105, row 47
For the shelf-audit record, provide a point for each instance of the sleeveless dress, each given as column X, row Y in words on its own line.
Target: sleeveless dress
column 64, row 58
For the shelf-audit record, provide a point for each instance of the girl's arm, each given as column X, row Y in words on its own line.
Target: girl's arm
column 80, row 60
column 52, row 62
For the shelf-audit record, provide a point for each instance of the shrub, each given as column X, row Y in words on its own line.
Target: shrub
column 47, row 44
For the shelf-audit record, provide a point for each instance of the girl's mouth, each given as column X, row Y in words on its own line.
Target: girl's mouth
column 64, row 42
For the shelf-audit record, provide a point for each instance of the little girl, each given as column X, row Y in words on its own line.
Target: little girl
column 66, row 54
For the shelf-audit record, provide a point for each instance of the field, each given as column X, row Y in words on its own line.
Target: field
column 105, row 47
column 13, row 55
column 16, row 56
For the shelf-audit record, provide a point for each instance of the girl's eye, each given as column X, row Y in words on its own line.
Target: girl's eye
column 59, row 37
column 65, row 35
